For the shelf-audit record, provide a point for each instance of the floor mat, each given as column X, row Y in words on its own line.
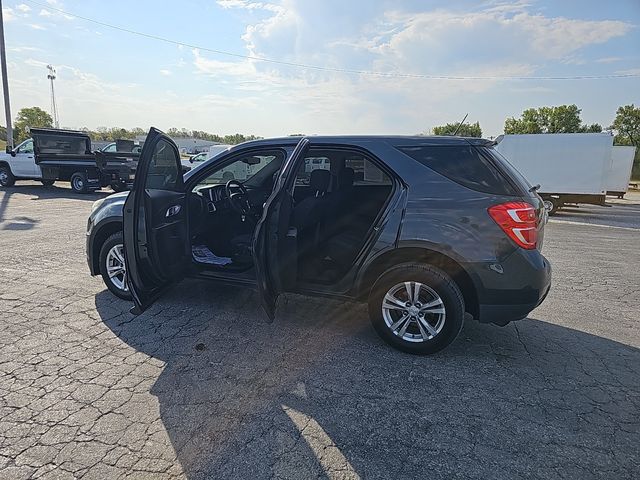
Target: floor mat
column 202, row 254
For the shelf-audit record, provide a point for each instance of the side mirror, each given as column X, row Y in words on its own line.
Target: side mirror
column 10, row 151
column 190, row 159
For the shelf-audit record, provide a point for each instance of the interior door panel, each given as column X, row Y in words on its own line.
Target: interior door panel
column 156, row 222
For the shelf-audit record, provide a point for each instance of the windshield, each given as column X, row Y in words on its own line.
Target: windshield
column 246, row 168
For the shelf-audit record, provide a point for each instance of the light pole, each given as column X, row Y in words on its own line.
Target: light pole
column 5, row 82
column 54, row 109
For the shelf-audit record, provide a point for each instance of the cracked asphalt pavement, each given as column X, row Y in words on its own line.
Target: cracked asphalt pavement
column 200, row 387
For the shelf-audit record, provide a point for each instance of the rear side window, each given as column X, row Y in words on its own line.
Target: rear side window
column 464, row 164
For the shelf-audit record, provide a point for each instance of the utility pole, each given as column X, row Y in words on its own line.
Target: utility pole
column 54, row 109
column 5, row 82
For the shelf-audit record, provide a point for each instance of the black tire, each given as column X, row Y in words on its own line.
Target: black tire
column 79, row 182
column 6, row 177
column 48, row 182
column 436, row 280
column 556, row 205
column 109, row 243
column 118, row 187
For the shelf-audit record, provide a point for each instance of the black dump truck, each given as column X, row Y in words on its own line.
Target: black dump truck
column 53, row 154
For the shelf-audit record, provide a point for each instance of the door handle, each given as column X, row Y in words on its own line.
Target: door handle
column 174, row 210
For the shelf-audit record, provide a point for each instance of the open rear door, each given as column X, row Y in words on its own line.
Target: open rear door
column 156, row 231
column 272, row 233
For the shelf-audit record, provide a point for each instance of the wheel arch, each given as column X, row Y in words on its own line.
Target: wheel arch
column 101, row 235
column 421, row 255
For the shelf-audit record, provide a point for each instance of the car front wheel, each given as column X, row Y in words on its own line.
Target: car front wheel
column 112, row 266
column 416, row 308
column 6, row 177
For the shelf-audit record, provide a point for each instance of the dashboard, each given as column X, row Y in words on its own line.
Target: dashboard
column 216, row 199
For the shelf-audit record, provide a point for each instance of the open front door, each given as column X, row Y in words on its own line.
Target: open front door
column 272, row 235
column 156, row 231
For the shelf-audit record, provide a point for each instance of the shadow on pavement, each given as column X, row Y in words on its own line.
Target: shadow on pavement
column 39, row 193
column 318, row 394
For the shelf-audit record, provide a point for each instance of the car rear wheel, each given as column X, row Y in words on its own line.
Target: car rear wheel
column 48, row 182
column 79, row 182
column 6, row 177
column 112, row 266
column 416, row 308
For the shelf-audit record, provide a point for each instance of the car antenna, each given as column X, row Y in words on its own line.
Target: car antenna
column 459, row 125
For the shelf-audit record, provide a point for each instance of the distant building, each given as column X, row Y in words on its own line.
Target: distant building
column 187, row 145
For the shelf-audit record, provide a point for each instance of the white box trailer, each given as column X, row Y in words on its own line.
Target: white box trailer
column 569, row 167
column 620, row 170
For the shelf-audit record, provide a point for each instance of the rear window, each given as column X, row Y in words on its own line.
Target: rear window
column 464, row 164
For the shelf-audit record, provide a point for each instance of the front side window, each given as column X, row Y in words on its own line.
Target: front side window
column 110, row 148
column 251, row 168
column 26, row 147
column 164, row 173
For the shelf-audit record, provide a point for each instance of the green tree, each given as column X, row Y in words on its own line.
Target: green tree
column 30, row 117
column 626, row 128
column 465, row 130
column 558, row 119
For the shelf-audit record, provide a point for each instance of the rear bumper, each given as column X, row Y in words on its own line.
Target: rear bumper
column 510, row 290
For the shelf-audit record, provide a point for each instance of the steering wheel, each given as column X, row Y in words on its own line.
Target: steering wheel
column 238, row 197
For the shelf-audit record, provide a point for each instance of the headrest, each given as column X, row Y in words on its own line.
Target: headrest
column 345, row 177
column 319, row 180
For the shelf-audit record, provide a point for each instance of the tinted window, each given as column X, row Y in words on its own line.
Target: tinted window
column 365, row 172
column 164, row 168
column 464, row 164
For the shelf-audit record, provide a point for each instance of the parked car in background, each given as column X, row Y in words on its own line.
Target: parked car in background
column 199, row 157
column 424, row 229
column 52, row 155
column 122, row 146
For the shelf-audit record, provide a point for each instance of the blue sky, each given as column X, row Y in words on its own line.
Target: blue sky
column 108, row 77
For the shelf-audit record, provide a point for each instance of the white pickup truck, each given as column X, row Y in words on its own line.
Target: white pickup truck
column 66, row 155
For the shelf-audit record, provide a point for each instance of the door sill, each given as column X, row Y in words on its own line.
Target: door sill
column 245, row 278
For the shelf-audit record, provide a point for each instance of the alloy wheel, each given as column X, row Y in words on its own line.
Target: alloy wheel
column 78, row 184
column 3, row 177
column 413, row 311
column 116, row 267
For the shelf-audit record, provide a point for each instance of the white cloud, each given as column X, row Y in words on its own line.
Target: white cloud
column 629, row 71
column 608, row 59
column 23, row 49
column 7, row 14
column 165, row 72
column 37, row 26
column 495, row 40
column 24, row 8
column 45, row 13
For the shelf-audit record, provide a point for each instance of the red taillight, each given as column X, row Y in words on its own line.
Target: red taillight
column 519, row 222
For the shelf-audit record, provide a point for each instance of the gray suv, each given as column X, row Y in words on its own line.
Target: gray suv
column 425, row 229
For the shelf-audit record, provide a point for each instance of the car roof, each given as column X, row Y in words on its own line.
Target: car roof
column 395, row 140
